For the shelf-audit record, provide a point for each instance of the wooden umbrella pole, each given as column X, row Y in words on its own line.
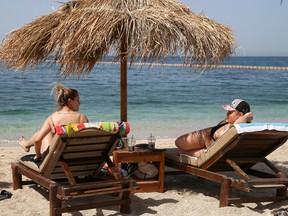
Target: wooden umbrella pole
column 124, row 78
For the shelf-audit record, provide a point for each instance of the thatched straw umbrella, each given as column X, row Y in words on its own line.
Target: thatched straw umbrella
column 81, row 32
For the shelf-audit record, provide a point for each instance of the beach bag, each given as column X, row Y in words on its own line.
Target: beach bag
column 143, row 170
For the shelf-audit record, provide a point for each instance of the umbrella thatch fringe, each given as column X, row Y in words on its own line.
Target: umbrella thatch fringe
column 82, row 32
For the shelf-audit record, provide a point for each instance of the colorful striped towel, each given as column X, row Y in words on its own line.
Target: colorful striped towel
column 251, row 127
column 123, row 128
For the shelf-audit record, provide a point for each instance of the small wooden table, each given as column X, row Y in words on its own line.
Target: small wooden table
column 144, row 155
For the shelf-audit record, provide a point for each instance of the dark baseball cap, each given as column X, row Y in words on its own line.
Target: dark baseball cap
column 239, row 105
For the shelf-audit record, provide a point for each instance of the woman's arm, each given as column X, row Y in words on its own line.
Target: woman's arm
column 45, row 129
column 83, row 118
column 247, row 118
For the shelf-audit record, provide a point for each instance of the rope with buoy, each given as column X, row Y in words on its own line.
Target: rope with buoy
column 243, row 67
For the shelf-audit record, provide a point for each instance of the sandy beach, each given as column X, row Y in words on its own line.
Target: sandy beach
column 184, row 194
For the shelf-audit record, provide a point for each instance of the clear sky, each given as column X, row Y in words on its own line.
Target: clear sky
column 260, row 26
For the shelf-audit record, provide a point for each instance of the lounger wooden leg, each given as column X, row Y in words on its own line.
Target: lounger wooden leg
column 225, row 192
column 16, row 177
column 55, row 203
column 125, row 208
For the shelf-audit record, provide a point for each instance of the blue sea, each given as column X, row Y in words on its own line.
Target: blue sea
column 166, row 101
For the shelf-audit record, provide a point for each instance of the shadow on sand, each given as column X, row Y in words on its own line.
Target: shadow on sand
column 188, row 183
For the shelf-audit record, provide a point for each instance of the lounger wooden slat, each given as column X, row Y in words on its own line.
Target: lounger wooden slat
column 86, row 147
column 82, row 154
column 267, row 186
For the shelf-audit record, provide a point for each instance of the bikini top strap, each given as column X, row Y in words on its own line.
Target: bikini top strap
column 54, row 127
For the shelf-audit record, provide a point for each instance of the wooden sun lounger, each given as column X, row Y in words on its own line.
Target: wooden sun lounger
column 238, row 153
column 70, row 161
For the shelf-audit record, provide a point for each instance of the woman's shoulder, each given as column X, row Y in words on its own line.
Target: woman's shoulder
column 223, row 122
column 53, row 114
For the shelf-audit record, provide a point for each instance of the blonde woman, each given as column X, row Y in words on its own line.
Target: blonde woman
column 68, row 101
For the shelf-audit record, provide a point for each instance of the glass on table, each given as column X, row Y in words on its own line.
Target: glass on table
column 151, row 141
column 131, row 143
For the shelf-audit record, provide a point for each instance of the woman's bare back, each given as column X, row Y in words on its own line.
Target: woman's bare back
column 63, row 118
